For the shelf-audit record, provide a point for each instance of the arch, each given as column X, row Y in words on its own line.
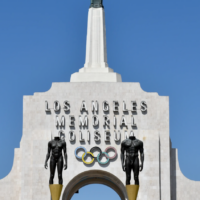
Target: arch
column 91, row 177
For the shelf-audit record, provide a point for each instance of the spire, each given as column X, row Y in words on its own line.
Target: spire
column 96, row 67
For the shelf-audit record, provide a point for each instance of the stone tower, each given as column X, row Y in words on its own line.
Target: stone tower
column 96, row 92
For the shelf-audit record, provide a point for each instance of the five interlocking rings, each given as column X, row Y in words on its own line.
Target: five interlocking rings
column 98, row 156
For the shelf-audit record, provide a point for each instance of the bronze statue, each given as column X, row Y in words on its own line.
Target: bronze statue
column 96, row 3
column 55, row 148
column 131, row 146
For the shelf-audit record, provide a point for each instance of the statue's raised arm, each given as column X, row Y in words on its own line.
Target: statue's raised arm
column 96, row 4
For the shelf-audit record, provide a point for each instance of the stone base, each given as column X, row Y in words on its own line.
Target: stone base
column 96, row 67
column 132, row 191
column 55, row 190
column 96, row 77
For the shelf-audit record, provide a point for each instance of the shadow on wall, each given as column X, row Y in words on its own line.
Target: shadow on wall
column 173, row 174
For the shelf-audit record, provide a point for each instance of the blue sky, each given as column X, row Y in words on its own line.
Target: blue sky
column 156, row 43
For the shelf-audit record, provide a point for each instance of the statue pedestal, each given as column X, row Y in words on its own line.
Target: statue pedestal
column 132, row 191
column 55, row 190
column 96, row 77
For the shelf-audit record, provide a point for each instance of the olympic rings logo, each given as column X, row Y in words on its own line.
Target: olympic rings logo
column 99, row 156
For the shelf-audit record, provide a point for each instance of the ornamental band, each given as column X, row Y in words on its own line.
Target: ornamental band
column 131, row 146
column 96, row 3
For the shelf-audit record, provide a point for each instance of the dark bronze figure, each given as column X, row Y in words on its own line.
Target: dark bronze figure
column 132, row 146
column 55, row 148
column 96, row 3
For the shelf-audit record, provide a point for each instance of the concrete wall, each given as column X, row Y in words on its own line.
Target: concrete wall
column 28, row 179
column 10, row 186
column 182, row 187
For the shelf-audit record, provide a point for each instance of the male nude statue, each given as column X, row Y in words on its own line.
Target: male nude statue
column 55, row 148
column 131, row 146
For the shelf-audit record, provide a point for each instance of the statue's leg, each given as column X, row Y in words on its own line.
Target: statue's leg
column 136, row 170
column 60, row 169
column 52, row 170
column 128, row 171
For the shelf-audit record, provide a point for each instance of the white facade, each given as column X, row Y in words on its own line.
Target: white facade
column 96, row 67
column 161, row 178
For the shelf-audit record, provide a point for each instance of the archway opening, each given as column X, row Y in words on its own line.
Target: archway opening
column 97, row 192
column 94, row 177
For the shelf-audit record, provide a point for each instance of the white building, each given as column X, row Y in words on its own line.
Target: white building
column 161, row 178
